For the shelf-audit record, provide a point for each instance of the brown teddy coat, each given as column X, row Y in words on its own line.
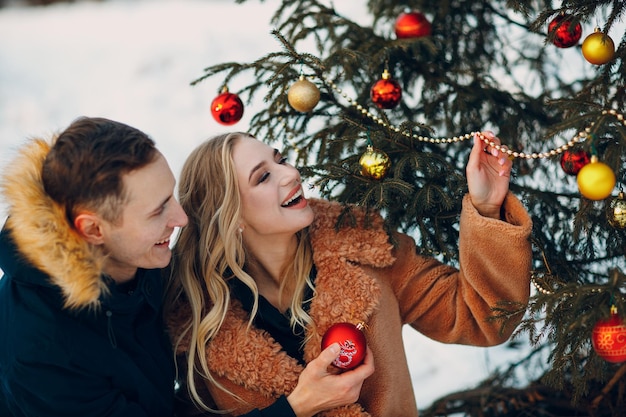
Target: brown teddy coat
column 362, row 277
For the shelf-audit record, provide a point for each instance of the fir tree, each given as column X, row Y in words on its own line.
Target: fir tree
column 489, row 65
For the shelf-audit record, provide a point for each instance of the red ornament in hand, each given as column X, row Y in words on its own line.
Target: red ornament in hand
column 573, row 161
column 609, row 338
column 412, row 25
column 565, row 35
column 351, row 341
column 227, row 108
column 386, row 92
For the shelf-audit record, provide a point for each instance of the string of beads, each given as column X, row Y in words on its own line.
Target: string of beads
column 581, row 136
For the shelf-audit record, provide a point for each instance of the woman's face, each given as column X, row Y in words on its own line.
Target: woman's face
column 272, row 197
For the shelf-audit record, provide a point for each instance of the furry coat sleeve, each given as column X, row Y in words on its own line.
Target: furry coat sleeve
column 456, row 306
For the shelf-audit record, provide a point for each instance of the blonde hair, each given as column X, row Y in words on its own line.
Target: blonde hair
column 209, row 251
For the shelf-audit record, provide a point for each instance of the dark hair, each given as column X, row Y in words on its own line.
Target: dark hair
column 84, row 168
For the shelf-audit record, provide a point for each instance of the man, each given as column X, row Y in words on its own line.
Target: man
column 91, row 214
column 90, row 218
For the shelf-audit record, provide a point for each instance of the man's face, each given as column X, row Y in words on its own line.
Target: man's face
column 141, row 237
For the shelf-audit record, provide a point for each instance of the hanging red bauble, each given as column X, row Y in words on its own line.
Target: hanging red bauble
column 227, row 108
column 609, row 338
column 596, row 180
column 412, row 25
column 598, row 48
column 565, row 35
column 386, row 92
column 351, row 341
column 572, row 161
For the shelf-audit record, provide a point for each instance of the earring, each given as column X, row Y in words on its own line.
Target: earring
column 240, row 230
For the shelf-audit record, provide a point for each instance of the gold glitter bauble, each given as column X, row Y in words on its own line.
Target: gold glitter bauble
column 303, row 95
column 374, row 163
column 616, row 212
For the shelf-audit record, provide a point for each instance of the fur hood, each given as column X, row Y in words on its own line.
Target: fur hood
column 42, row 233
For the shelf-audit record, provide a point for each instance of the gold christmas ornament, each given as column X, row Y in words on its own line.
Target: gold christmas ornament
column 616, row 212
column 596, row 180
column 303, row 95
column 374, row 163
column 598, row 48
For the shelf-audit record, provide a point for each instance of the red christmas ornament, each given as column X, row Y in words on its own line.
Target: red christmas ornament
column 386, row 92
column 227, row 108
column 352, row 342
column 565, row 35
column 412, row 25
column 573, row 161
column 609, row 338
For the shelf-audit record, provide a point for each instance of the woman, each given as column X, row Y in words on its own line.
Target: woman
column 260, row 273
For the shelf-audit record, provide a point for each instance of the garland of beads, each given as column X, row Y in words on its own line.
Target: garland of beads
column 580, row 137
column 541, row 287
column 541, row 283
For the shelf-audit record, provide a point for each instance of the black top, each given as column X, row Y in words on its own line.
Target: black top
column 270, row 319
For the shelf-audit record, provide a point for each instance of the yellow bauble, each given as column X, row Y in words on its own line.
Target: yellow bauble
column 303, row 95
column 597, row 48
column 374, row 163
column 616, row 212
column 596, row 180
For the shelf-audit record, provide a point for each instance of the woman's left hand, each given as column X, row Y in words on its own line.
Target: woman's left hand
column 488, row 172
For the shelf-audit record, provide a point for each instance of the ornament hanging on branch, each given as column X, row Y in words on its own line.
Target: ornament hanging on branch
column 609, row 338
column 412, row 25
column 386, row 92
column 566, row 34
column 616, row 212
column 303, row 95
column 598, row 48
column 596, row 180
column 374, row 163
column 227, row 108
column 351, row 341
column 572, row 161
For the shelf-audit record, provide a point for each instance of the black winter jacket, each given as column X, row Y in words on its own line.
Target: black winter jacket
column 111, row 361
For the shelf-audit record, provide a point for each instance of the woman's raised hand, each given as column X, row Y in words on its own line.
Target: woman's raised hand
column 488, row 173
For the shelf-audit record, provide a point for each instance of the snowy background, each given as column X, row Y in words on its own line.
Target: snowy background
column 132, row 61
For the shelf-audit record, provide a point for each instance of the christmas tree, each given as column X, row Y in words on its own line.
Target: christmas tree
column 382, row 114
